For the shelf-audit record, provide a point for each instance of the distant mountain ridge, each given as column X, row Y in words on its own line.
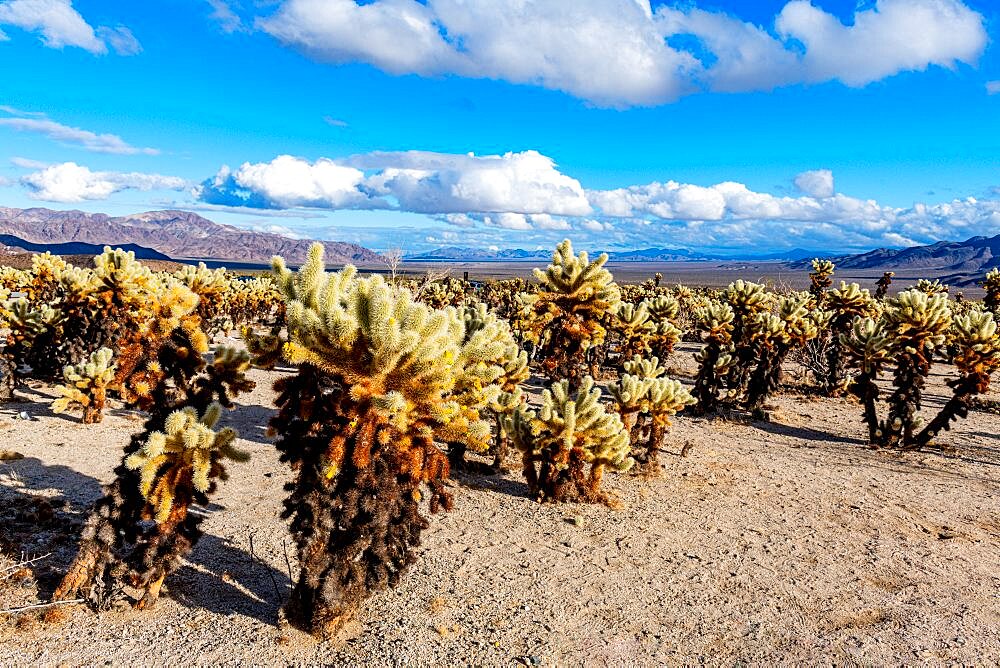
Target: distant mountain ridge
column 14, row 245
column 176, row 234
column 972, row 256
column 462, row 254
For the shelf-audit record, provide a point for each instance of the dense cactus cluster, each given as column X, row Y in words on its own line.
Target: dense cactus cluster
column 387, row 387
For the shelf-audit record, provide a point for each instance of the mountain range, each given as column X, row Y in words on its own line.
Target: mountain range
column 972, row 256
column 463, row 254
column 177, row 234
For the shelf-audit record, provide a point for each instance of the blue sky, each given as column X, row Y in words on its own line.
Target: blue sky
column 829, row 125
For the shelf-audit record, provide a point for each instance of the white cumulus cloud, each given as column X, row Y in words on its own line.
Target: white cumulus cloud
column 893, row 36
column 416, row 181
column 815, row 183
column 70, row 182
column 621, row 53
column 60, row 25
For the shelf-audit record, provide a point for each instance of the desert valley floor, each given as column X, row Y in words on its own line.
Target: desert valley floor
column 786, row 541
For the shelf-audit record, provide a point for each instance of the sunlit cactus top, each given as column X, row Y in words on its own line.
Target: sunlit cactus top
column 663, row 307
column 975, row 335
column 850, row 300
column 918, row 319
column 188, row 451
column 931, row 287
column 716, row 320
column 867, row 344
column 644, row 367
column 747, row 298
column 575, row 278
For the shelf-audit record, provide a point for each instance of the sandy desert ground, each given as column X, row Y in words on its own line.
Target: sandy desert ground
column 784, row 541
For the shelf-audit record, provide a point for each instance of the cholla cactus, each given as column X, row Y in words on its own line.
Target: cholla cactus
column 119, row 545
column 715, row 326
column 918, row 323
column 644, row 367
column 845, row 304
column 634, row 327
column 747, row 300
column 490, row 364
column 774, row 336
column 978, row 357
column 566, row 436
column 87, row 385
column 170, row 324
column 868, row 348
column 212, row 288
column 442, row 292
column 820, row 279
column 934, row 287
column 358, row 424
column 646, row 403
column 992, row 286
column 566, row 313
column 46, row 269
column 664, row 311
column 882, row 285
column 252, row 302
column 177, row 467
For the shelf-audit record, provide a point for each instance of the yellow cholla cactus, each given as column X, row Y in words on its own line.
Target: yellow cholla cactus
column 919, row 320
column 992, row 286
column 86, row 385
column 648, row 367
column 184, row 458
column 566, row 436
column 934, row 287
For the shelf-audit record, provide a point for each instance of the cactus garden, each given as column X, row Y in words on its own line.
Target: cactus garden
column 326, row 465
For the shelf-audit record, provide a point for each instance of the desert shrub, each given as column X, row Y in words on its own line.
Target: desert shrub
column 917, row 323
column 773, row 337
column 935, row 287
column 868, row 348
column 977, row 358
column 992, row 286
column 845, row 304
column 212, row 288
column 820, row 278
column 882, row 285
column 747, row 301
column 490, row 363
column 567, row 445
column 714, row 324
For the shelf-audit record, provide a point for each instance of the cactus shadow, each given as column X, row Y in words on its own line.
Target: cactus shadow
column 804, row 433
column 224, row 579
column 34, row 522
column 251, row 421
column 35, row 405
column 493, row 483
